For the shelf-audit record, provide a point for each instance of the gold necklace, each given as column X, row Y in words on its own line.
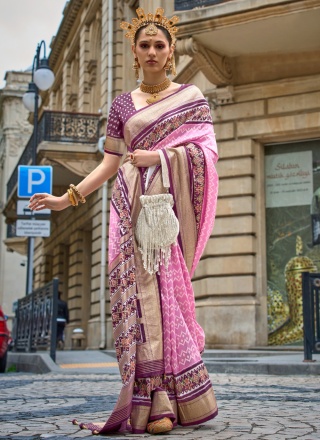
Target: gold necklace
column 154, row 90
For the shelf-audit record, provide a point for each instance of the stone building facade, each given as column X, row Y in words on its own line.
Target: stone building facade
column 262, row 79
column 14, row 133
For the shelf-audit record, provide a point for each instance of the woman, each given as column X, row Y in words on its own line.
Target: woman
column 158, row 341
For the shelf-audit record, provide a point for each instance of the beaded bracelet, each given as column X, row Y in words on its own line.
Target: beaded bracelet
column 72, row 199
column 77, row 193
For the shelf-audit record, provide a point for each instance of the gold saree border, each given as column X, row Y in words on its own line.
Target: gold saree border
column 146, row 116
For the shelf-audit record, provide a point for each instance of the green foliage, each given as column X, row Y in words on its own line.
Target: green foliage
column 12, row 369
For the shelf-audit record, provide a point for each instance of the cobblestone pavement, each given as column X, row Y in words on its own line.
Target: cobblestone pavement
column 250, row 407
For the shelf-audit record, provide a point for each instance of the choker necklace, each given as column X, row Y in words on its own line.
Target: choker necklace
column 154, row 90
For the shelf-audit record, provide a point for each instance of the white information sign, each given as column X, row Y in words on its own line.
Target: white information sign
column 33, row 228
column 23, row 209
column 289, row 179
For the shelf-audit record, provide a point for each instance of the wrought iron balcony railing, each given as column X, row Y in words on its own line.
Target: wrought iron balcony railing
column 59, row 127
column 182, row 5
column 69, row 127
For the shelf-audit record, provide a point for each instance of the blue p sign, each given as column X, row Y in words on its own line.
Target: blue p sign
column 34, row 179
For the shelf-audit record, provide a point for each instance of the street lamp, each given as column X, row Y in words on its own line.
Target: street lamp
column 42, row 79
column 28, row 98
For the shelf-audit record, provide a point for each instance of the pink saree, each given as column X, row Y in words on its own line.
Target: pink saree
column 157, row 339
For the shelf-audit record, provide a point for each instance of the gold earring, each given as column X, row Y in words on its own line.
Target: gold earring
column 136, row 67
column 168, row 65
column 173, row 68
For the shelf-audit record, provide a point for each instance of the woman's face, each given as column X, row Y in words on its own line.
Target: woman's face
column 152, row 51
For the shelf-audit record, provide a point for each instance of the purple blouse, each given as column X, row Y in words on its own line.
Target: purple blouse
column 121, row 110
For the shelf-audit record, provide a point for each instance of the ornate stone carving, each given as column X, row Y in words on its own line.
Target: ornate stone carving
column 80, row 167
column 24, row 126
column 15, row 116
column 98, row 16
column 216, row 68
column 15, row 142
column 186, row 46
column 73, row 101
column 92, row 70
column 88, row 165
column 46, row 161
column 13, row 145
column 220, row 96
column 17, row 244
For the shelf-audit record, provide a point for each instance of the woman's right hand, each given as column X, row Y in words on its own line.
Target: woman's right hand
column 41, row 201
column 107, row 168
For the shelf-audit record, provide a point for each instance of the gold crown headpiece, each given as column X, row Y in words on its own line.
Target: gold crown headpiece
column 150, row 20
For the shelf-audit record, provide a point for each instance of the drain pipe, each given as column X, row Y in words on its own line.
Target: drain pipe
column 103, row 265
column 105, row 189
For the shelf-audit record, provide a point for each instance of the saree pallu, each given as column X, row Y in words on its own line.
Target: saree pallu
column 158, row 341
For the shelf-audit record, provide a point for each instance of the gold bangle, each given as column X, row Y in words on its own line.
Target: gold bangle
column 72, row 199
column 77, row 193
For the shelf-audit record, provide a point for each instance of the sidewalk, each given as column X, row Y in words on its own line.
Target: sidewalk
column 251, row 407
column 278, row 362
column 264, row 361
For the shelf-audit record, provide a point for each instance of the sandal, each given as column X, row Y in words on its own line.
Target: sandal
column 160, row 426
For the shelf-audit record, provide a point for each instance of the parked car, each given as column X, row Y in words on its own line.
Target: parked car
column 4, row 341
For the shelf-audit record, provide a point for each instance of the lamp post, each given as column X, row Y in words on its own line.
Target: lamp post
column 42, row 79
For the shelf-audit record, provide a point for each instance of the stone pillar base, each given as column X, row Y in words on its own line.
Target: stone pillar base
column 221, row 317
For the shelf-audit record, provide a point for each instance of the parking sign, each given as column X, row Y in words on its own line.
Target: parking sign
column 34, row 179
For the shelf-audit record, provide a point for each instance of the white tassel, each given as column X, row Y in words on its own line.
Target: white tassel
column 157, row 226
column 156, row 230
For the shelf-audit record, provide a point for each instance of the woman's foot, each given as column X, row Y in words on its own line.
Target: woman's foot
column 160, row 426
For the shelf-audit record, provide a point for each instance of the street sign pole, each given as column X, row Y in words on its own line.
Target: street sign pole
column 32, row 179
column 30, row 264
column 33, row 162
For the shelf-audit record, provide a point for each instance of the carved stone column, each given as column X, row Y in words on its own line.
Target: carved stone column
column 66, row 89
column 84, row 95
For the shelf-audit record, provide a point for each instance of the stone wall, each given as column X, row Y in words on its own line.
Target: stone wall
column 230, row 282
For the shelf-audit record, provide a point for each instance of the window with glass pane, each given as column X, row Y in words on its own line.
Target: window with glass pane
column 292, row 188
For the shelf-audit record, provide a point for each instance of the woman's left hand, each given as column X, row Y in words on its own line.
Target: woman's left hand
column 145, row 159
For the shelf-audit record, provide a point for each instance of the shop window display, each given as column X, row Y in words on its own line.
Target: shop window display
column 292, row 188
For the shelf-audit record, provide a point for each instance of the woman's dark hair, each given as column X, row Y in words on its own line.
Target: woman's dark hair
column 164, row 30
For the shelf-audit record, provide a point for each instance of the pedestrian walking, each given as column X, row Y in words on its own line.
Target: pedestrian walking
column 62, row 320
column 161, row 216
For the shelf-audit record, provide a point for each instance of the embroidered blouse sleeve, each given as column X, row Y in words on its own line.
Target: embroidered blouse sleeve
column 114, row 138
